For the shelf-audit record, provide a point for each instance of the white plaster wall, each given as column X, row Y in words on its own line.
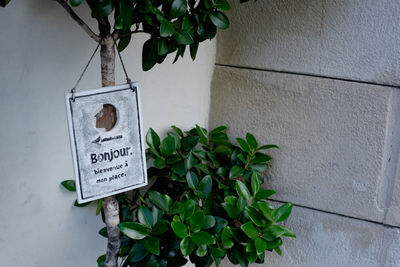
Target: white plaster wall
column 42, row 53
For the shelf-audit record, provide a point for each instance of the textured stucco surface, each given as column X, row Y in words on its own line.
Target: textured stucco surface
column 352, row 39
column 327, row 240
column 42, row 54
column 331, row 134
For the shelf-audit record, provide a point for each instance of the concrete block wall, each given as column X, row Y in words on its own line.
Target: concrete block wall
column 320, row 79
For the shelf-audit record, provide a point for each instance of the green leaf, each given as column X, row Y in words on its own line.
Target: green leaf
column 209, row 222
column 202, row 238
column 186, row 246
column 230, row 210
column 159, row 163
column 179, row 229
column 264, row 194
column 260, row 158
column 221, row 172
column 160, row 227
column 134, row 230
column 188, row 209
column 243, row 145
column 272, row 232
column 69, row 185
column 101, row 260
column 102, row 9
column 242, row 190
column 192, row 180
column 235, row 171
column 99, row 206
column 196, row 222
column 278, row 251
column 202, row 134
column 231, row 200
column 250, row 230
column 162, row 47
column 153, row 245
column 201, row 251
column 205, row 186
column 288, row 232
column 222, row 5
column 267, row 147
column 255, row 217
column 260, row 245
column 138, row 251
column 152, row 139
column 178, row 8
column 158, row 200
column 251, row 140
column 167, row 146
column 193, row 49
column 149, row 54
column 276, row 243
column 220, row 223
column 103, row 232
column 73, row 2
column 189, row 142
column 166, row 28
column 265, row 209
column 283, row 212
column 255, row 183
column 145, row 216
column 190, row 161
column 76, row 204
column 124, row 42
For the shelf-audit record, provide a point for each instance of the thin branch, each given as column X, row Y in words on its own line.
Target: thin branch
column 81, row 23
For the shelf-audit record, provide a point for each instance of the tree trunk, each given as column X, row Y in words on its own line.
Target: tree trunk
column 110, row 204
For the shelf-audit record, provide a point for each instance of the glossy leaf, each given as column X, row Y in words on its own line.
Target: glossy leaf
column 222, row 5
column 192, row 180
column 178, row 8
column 235, row 171
column 242, row 190
column 255, row 217
column 266, row 210
column 102, row 9
column 267, row 147
column 162, row 47
column 251, row 140
column 202, row 238
column 101, row 260
column 209, row 222
column 255, row 183
column 250, row 230
column 188, row 209
column 167, row 146
column 179, row 229
column 153, row 245
column 160, row 228
column 196, row 222
column 186, row 246
column 69, row 185
column 283, row 212
column 134, row 230
column 159, row 163
column 264, row 194
column 149, row 54
column 205, row 186
column 152, row 139
column 158, row 200
column 243, row 145
column 260, row 245
column 166, row 28
column 145, row 216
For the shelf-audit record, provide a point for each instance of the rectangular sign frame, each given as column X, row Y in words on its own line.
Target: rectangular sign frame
column 69, row 100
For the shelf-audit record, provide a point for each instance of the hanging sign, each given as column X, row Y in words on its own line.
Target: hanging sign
column 107, row 141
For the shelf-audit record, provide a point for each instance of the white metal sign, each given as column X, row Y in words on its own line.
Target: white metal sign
column 107, row 141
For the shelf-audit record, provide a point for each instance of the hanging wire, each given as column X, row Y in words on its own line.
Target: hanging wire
column 73, row 90
column 128, row 80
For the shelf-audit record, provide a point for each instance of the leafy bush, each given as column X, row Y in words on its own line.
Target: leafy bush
column 207, row 203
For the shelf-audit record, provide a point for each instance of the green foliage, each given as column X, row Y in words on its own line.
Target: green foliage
column 207, row 202
column 171, row 25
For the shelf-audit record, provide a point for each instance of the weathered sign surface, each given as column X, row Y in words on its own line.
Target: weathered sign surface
column 107, row 141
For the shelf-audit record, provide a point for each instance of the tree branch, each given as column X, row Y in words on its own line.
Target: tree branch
column 81, row 23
